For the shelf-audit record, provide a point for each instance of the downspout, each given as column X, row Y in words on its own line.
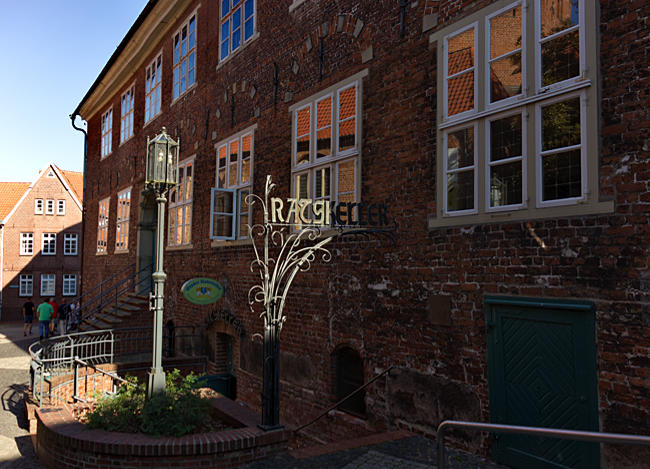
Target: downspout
column 83, row 201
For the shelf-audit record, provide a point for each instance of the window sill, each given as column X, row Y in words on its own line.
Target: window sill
column 296, row 4
column 183, row 94
column 101, row 253
column 223, row 243
column 121, row 251
column 241, row 48
column 181, row 247
column 26, row 255
column 128, row 138
column 582, row 209
column 153, row 118
column 71, row 255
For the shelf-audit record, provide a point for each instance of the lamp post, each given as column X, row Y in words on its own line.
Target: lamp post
column 161, row 174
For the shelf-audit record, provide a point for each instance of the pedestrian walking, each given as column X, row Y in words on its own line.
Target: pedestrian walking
column 63, row 316
column 55, row 312
column 44, row 311
column 28, row 316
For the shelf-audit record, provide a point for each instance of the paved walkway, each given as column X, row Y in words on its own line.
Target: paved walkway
column 408, row 452
column 16, row 450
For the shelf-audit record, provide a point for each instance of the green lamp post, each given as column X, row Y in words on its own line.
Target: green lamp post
column 161, row 174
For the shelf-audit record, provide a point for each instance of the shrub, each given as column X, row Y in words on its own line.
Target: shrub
column 176, row 412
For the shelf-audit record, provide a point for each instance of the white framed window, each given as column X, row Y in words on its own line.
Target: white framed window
column 237, row 25
column 152, row 89
column 126, row 114
column 325, row 144
column 107, row 132
column 102, row 225
column 48, row 284
column 26, row 244
column 69, row 285
column 26, row 285
column 180, row 205
column 38, row 206
column 184, row 57
column 49, row 207
column 122, row 224
column 70, row 244
column 60, row 207
column 48, row 244
column 229, row 210
column 513, row 118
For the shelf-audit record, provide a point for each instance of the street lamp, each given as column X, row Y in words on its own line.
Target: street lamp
column 161, row 174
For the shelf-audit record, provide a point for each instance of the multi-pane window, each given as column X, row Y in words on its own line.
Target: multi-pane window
column 237, row 25
column 126, row 116
column 26, row 285
column 122, row 225
column 26, row 244
column 325, row 164
column 48, row 284
column 152, row 89
column 48, row 244
column 49, row 207
column 60, row 207
column 184, row 49
column 230, row 211
column 69, row 285
column 102, row 225
column 515, row 106
column 107, row 129
column 38, row 206
column 70, row 244
column 180, row 206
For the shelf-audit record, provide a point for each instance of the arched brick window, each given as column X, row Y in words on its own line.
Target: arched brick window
column 349, row 376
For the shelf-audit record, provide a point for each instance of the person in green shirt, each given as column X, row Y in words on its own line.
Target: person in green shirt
column 44, row 311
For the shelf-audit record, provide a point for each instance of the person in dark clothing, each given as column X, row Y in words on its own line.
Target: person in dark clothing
column 64, row 314
column 28, row 316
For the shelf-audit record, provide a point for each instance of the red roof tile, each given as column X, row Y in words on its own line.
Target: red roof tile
column 75, row 181
column 10, row 194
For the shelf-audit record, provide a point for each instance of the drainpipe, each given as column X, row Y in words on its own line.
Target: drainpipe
column 83, row 202
column 2, row 263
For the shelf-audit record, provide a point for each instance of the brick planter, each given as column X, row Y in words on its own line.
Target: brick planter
column 62, row 442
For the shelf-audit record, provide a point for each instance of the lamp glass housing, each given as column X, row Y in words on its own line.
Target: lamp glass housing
column 162, row 160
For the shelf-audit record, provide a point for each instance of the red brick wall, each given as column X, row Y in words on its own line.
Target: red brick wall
column 372, row 295
column 23, row 221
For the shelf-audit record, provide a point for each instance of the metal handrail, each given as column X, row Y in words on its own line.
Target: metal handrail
column 598, row 437
column 363, row 386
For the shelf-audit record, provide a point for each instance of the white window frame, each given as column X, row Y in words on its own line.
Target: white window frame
column 529, row 103
column 26, row 285
column 70, row 244
column 26, row 244
column 186, row 203
column 69, row 285
column 60, row 207
column 102, row 225
column 238, row 187
column 123, row 209
column 46, row 280
column 447, row 77
column 126, row 113
column 227, row 17
column 181, row 63
column 38, row 206
column 336, row 157
column 153, row 89
column 473, row 168
column 49, row 207
column 48, row 240
column 107, row 133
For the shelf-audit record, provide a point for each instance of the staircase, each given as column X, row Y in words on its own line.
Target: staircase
column 131, row 310
column 120, row 301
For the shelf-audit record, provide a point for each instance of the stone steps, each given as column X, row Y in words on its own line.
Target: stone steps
column 112, row 316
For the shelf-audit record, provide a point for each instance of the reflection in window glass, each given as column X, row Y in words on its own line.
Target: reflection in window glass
column 460, row 170
column 460, row 72
column 303, row 133
column 506, row 161
column 347, row 121
column 324, row 127
column 505, row 54
column 560, row 40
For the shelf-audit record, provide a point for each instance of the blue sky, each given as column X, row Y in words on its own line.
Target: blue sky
column 52, row 51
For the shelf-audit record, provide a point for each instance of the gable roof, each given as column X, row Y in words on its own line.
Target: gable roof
column 75, row 181
column 10, row 194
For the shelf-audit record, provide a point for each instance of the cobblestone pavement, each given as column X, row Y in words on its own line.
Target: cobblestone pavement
column 414, row 452
column 16, row 450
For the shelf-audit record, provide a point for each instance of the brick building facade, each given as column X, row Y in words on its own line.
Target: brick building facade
column 40, row 239
column 511, row 147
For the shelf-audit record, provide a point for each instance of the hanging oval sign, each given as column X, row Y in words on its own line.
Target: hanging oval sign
column 202, row 290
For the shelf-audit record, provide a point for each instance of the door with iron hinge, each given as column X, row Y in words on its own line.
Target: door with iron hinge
column 542, row 373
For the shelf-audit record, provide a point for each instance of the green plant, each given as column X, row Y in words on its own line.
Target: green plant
column 177, row 411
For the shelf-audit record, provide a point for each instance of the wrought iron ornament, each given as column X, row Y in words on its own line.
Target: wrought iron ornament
column 296, row 251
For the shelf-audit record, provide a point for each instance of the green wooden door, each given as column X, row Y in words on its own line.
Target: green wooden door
column 542, row 373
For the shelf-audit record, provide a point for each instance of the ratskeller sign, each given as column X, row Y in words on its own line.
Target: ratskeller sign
column 326, row 213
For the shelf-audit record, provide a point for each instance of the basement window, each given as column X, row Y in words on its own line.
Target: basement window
column 349, row 377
